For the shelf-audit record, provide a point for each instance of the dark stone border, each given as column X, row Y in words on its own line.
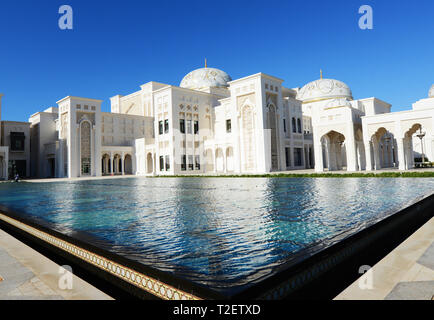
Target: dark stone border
column 321, row 276
column 165, row 277
column 327, row 273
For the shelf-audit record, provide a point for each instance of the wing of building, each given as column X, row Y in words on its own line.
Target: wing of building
column 211, row 124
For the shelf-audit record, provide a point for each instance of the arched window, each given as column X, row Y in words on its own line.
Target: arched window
column 299, row 125
column 294, row 126
column 85, row 147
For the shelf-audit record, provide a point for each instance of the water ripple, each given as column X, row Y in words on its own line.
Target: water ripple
column 224, row 233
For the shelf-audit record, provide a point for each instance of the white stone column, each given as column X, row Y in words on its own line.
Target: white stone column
column 93, row 155
column 123, row 163
column 351, row 152
column 59, row 160
column 375, row 147
column 133, row 164
column 72, row 144
column 331, row 156
column 97, row 142
column 214, row 159
column 225, row 162
column 317, row 145
column 401, row 153
column 368, row 155
column 359, row 163
column 111, row 163
column 411, row 153
column 309, row 165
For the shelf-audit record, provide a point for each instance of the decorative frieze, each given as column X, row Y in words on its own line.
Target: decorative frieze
column 138, row 279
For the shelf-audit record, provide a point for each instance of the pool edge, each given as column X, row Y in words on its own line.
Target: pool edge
column 289, row 282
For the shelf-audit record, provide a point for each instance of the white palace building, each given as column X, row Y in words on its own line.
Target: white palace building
column 211, row 124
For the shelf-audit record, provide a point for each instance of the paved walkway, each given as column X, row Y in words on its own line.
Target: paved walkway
column 25, row 274
column 407, row 273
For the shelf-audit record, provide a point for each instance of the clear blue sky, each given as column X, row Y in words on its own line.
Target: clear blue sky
column 117, row 46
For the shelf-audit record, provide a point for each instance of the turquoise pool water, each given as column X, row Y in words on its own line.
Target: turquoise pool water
column 224, row 233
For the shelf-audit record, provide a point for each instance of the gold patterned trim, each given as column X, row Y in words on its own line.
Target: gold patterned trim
column 330, row 108
column 140, row 280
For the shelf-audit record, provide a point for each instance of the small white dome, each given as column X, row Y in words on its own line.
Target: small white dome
column 205, row 77
column 431, row 92
column 324, row 89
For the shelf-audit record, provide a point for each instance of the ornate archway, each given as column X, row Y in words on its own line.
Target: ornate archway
column 209, row 162
column 117, row 164
column 408, row 146
column 149, row 163
column 128, row 164
column 383, row 149
column 85, row 148
column 229, row 159
column 220, row 166
column 334, row 151
column 105, row 164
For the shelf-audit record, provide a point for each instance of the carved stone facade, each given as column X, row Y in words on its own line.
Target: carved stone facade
column 211, row 124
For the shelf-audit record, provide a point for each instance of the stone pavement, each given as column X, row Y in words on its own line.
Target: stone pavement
column 25, row 274
column 406, row 273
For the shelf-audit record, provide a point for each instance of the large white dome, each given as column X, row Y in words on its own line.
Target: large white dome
column 431, row 92
column 205, row 77
column 324, row 89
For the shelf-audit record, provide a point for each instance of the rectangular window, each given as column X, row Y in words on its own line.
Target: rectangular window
column 297, row 157
column 196, row 127
column 294, row 126
column 183, row 162
column 182, row 125
column 284, row 125
column 188, row 126
column 228, row 126
column 287, row 157
column 197, row 162
column 160, row 127
column 167, row 163
column 161, row 163
column 17, row 141
column 190, row 163
column 166, row 126
column 85, row 166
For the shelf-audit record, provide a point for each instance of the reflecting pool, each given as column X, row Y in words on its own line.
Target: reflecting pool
column 224, row 233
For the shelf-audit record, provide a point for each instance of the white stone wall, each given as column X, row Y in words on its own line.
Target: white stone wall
column 331, row 129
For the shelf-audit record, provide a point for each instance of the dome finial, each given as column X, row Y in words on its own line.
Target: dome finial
column 205, row 64
column 320, row 72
